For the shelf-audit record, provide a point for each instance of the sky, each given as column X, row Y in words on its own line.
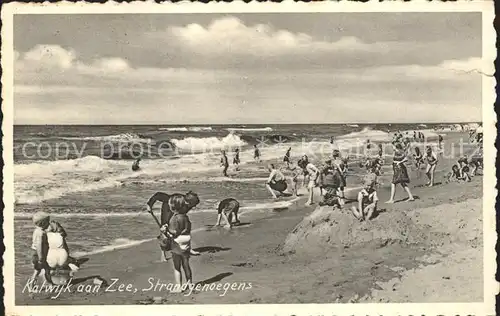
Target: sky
column 247, row 68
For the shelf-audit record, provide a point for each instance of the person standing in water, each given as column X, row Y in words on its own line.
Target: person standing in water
column 224, row 162
column 400, row 173
column 276, row 182
column 236, row 159
column 432, row 161
column 135, row 165
column 256, row 153
column 286, row 159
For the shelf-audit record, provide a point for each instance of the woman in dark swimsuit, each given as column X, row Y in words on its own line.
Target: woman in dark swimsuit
column 400, row 173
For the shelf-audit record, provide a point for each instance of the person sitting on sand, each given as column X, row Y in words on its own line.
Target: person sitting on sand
column 224, row 162
column 400, row 173
column 256, row 153
column 330, row 181
column 367, row 200
column 457, row 174
column 236, row 159
column 432, row 161
column 286, row 158
column 276, row 182
column 179, row 230
column 166, row 213
column 313, row 174
column 135, row 165
column 228, row 208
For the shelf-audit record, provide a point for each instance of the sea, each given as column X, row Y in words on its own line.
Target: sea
column 81, row 174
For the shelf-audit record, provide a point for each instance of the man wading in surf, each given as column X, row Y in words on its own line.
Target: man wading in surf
column 166, row 212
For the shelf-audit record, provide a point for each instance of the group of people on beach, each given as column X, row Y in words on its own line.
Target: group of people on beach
column 51, row 253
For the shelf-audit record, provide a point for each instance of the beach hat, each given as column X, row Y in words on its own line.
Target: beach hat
column 39, row 216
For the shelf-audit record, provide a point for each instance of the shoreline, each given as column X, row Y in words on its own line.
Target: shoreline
column 248, row 254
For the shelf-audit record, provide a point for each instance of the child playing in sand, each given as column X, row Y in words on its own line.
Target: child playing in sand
column 228, row 208
column 330, row 181
column 276, row 182
column 179, row 229
column 50, row 250
column 313, row 174
column 432, row 161
column 40, row 247
column 367, row 199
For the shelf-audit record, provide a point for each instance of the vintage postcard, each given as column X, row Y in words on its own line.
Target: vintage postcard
column 249, row 159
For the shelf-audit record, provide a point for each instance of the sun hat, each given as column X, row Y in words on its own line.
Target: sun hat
column 39, row 216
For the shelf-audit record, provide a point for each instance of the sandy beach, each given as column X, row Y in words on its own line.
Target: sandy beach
column 312, row 255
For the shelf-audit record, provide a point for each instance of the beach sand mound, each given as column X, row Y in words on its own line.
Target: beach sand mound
column 326, row 228
column 434, row 227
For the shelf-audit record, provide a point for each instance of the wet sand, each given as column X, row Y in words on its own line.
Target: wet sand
column 250, row 258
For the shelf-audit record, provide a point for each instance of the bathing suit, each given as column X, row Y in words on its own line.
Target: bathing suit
column 180, row 228
column 367, row 197
column 277, row 181
column 236, row 159
column 57, row 255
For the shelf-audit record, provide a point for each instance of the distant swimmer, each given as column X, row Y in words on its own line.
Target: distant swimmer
column 236, row 159
column 228, row 208
column 286, row 159
column 276, row 183
column 332, row 140
column 224, row 162
column 256, row 153
column 135, row 165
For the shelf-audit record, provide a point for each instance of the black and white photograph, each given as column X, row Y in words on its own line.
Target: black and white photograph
column 249, row 157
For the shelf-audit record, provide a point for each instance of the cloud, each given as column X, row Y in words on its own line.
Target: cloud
column 229, row 36
column 113, row 89
column 49, row 56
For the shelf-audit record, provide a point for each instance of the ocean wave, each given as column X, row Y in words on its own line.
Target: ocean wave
column 368, row 133
column 119, row 138
column 249, row 129
column 119, row 243
column 186, row 129
column 246, row 207
column 207, row 144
